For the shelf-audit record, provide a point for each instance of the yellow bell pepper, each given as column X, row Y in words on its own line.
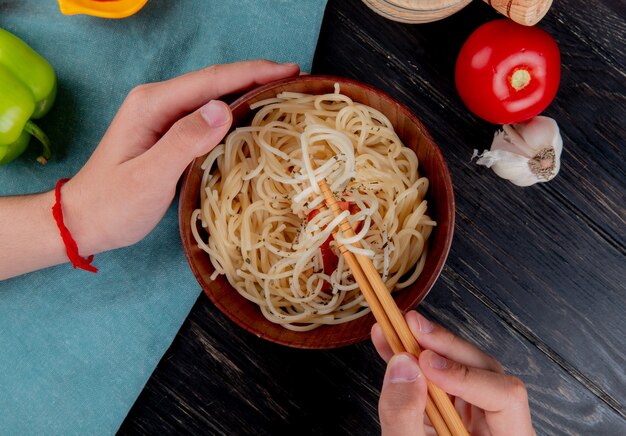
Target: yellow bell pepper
column 101, row 8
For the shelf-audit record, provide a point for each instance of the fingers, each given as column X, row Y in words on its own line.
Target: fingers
column 503, row 395
column 159, row 104
column 150, row 110
column 468, row 373
column 403, row 397
column 380, row 343
column 434, row 337
column 190, row 137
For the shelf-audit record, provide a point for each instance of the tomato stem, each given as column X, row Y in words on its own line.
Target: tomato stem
column 520, row 78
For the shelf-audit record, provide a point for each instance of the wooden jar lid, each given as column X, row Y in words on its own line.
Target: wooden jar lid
column 526, row 12
column 416, row 11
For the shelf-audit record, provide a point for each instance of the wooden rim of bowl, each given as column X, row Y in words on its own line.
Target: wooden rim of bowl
column 416, row 11
column 443, row 232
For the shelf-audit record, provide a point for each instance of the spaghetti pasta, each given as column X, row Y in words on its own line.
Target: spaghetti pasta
column 259, row 199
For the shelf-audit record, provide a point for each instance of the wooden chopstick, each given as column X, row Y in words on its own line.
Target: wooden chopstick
column 439, row 408
column 387, row 328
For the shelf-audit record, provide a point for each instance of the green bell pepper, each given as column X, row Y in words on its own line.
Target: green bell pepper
column 28, row 87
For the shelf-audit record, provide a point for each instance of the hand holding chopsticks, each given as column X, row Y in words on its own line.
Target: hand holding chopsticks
column 439, row 408
column 499, row 401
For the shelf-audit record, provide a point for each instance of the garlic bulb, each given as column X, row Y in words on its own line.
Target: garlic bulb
column 525, row 153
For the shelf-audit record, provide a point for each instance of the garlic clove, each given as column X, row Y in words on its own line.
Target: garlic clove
column 525, row 153
column 509, row 166
column 539, row 133
column 508, row 139
column 542, row 133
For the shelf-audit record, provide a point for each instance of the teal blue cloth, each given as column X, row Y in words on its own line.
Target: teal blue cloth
column 77, row 348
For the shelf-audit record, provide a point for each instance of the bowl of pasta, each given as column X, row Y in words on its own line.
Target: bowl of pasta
column 261, row 243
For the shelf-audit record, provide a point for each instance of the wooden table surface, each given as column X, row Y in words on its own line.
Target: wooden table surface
column 536, row 276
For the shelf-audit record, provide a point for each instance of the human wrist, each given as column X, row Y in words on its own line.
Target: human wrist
column 28, row 222
column 77, row 217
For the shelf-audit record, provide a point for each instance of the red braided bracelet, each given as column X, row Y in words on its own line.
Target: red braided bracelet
column 70, row 244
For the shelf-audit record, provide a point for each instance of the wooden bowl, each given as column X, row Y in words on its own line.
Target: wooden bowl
column 416, row 11
column 440, row 202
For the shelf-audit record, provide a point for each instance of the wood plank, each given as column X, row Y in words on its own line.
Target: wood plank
column 418, row 69
column 548, row 253
column 559, row 403
column 218, row 379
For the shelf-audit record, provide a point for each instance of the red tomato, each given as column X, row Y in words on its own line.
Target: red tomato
column 507, row 73
column 329, row 258
column 343, row 205
column 312, row 214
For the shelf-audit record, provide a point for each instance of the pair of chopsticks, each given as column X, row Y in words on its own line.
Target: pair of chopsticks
column 439, row 408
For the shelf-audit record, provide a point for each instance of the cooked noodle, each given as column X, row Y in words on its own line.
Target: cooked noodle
column 260, row 186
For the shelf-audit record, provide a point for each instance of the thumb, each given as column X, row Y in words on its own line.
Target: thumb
column 403, row 397
column 190, row 137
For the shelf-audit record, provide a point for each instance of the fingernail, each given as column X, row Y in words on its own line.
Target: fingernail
column 215, row 113
column 425, row 325
column 403, row 369
column 289, row 64
column 438, row 362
